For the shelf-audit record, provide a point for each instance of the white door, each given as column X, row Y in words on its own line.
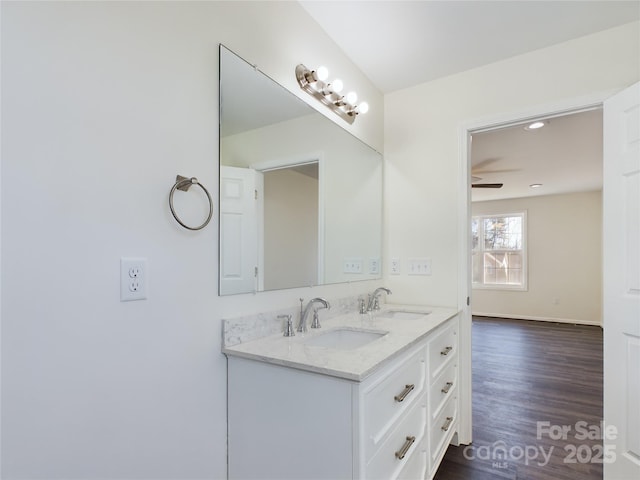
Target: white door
column 240, row 220
column 621, row 280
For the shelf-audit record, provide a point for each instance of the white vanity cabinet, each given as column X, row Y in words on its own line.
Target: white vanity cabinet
column 287, row 423
column 442, row 349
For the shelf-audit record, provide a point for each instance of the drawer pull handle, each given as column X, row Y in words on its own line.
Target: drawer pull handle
column 447, row 424
column 405, row 448
column 404, row 393
column 447, row 387
column 446, row 351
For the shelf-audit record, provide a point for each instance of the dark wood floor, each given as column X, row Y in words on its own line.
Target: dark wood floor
column 526, row 372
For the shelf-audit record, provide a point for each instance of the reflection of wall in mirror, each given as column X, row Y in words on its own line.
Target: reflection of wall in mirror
column 353, row 203
column 352, row 183
column 290, row 229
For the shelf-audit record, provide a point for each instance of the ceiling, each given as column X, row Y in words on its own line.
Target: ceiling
column 564, row 156
column 398, row 44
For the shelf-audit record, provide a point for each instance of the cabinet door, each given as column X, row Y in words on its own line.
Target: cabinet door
column 288, row 424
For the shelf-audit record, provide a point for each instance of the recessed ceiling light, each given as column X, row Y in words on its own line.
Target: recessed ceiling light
column 535, row 185
column 535, row 126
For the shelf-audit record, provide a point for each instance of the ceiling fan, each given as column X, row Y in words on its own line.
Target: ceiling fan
column 479, row 169
column 484, row 185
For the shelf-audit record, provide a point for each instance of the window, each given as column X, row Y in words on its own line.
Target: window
column 498, row 251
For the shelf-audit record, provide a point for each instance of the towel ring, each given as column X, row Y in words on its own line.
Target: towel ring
column 183, row 183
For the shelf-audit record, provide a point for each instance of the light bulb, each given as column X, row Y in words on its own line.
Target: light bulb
column 351, row 98
column 337, row 85
column 322, row 73
column 363, row 107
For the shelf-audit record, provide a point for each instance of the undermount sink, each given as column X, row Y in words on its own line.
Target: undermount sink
column 344, row 338
column 402, row 314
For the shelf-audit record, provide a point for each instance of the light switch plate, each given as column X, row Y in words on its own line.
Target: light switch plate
column 352, row 265
column 419, row 266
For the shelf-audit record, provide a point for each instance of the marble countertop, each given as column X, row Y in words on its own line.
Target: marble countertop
column 354, row 364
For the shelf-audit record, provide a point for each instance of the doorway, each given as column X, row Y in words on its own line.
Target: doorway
column 291, row 226
column 466, row 131
column 291, row 252
column 536, row 209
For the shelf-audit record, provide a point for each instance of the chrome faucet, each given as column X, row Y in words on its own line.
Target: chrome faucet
column 304, row 313
column 373, row 298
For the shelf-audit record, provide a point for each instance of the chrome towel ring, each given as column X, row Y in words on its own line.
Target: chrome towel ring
column 184, row 183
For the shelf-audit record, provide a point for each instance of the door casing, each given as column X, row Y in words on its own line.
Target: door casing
column 466, row 129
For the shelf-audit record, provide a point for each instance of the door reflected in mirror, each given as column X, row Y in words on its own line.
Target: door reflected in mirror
column 300, row 197
column 291, row 226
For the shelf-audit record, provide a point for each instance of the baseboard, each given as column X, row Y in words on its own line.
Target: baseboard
column 541, row 319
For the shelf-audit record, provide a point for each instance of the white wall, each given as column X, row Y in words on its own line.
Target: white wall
column 422, row 124
column 103, row 103
column 564, row 253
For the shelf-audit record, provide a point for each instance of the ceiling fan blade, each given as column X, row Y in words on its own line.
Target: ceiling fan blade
column 483, row 163
column 484, row 172
column 486, row 185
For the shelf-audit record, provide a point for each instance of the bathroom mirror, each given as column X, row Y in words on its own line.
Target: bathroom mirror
column 300, row 197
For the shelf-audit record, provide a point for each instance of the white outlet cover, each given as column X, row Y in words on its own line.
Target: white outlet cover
column 374, row 265
column 395, row 266
column 133, row 279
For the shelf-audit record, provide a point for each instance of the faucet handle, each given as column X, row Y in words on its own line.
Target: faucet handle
column 288, row 327
column 362, row 305
column 316, row 321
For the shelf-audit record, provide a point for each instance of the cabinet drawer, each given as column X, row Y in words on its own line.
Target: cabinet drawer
column 442, row 427
column 443, row 387
column 403, row 441
column 442, row 348
column 395, row 394
column 416, row 467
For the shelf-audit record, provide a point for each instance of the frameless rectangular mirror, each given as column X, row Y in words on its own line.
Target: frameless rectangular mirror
column 300, row 197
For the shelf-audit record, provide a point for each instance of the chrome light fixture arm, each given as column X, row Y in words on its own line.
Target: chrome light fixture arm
column 324, row 92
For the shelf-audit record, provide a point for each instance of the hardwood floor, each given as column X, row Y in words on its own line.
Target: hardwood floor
column 528, row 375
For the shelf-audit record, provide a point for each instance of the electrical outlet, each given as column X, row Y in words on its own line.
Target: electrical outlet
column 374, row 265
column 395, row 266
column 133, row 279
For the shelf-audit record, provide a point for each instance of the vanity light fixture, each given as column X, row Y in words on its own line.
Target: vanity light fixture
column 314, row 82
